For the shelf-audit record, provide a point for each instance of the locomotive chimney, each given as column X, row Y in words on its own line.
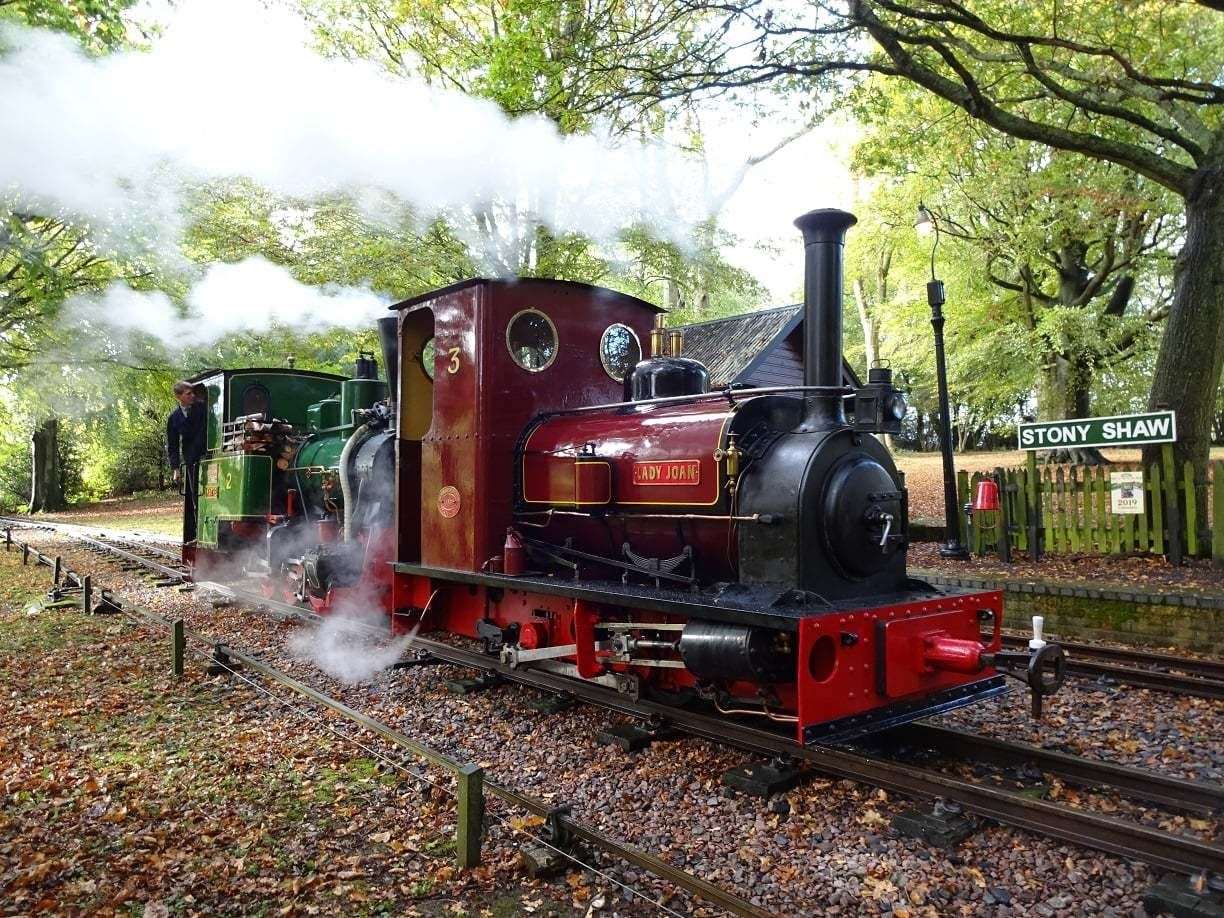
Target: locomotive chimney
column 824, row 236
column 388, row 335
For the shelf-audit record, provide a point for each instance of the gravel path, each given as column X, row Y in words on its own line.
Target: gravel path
column 825, row 847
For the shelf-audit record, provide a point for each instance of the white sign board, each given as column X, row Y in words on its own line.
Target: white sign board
column 1126, row 492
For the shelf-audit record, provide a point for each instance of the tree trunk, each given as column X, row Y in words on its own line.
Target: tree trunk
column 46, row 486
column 1192, row 347
column 871, row 338
column 871, row 333
column 1054, row 392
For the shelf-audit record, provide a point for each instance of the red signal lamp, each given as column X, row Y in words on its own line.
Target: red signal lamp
column 987, row 495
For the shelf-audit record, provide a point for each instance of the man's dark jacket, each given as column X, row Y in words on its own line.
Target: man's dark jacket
column 185, row 435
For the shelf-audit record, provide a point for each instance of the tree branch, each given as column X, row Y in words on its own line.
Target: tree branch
column 1164, row 171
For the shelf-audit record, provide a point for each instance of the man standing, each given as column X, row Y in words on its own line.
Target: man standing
column 185, row 444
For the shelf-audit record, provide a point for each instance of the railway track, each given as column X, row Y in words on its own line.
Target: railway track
column 1159, row 848
column 1164, row 672
column 558, row 818
column 1196, row 677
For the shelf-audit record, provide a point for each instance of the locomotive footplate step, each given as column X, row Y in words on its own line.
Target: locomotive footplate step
column 476, row 684
column 1186, row 897
column 943, row 826
column 553, row 704
column 764, row 779
column 632, row 737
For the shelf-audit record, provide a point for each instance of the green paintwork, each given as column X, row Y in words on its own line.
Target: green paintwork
column 323, row 415
column 290, row 394
column 320, row 451
column 330, row 423
column 233, row 486
column 358, row 394
column 320, row 404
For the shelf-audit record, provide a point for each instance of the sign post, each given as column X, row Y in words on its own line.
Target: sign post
column 1122, row 430
column 1126, row 488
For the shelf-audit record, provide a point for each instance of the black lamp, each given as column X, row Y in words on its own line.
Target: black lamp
column 927, row 225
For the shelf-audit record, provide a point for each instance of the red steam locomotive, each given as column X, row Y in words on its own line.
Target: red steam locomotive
column 532, row 482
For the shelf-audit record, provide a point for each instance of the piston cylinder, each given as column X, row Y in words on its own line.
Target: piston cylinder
column 722, row 652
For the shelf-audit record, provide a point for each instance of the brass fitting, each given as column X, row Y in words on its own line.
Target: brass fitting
column 656, row 337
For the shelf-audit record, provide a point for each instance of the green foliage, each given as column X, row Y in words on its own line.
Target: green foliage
column 14, row 456
column 99, row 25
column 1034, row 245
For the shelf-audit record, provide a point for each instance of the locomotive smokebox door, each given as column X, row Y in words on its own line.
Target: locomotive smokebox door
column 863, row 516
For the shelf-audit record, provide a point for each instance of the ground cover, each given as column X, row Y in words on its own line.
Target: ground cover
column 1118, row 572
column 160, row 513
column 125, row 791
column 924, row 473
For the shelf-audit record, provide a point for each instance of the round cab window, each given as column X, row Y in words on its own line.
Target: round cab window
column 428, row 355
column 532, row 340
column 619, row 351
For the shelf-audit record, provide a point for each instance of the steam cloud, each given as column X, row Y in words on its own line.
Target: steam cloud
column 343, row 646
column 234, row 90
column 245, row 296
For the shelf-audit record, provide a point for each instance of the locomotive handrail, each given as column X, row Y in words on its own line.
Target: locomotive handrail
column 726, row 392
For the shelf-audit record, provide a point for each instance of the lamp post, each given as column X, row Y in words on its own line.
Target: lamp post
column 926, row 225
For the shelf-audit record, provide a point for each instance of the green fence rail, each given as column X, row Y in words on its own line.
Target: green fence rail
column 1067, row 509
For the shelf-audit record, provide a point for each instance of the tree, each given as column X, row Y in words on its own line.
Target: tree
column 97, row 24
column 548, row 58
column 46, row 486
column 1076, row 250
column 44, row 260
column 1132, row 84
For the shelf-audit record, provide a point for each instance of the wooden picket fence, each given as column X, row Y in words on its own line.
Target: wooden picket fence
column 1067, row 509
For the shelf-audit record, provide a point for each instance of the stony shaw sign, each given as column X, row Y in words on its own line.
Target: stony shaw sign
column 1123, row 430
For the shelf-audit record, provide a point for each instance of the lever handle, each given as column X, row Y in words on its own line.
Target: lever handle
column 1038, row 626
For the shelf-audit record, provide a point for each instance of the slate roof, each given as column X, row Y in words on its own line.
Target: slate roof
column 727, row 346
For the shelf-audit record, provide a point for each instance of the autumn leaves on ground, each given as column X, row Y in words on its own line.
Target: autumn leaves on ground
column 124, row 790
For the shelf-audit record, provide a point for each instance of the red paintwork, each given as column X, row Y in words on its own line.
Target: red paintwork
column 481, row 409
column 852, row 684
column 645, row 467
column 661, row 461
column 917, row 635
column 373, row 591
column 660, row 456
column 514, row 555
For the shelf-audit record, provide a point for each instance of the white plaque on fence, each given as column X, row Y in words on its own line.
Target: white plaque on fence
column 1126, row 492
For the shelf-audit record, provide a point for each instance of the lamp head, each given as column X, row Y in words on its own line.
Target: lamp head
column 925, row 224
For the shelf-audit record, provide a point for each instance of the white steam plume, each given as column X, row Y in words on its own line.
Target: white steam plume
column 344, row 647
column 246, row 296
column 232, row 89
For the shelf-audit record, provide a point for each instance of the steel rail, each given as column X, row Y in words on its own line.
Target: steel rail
column 172, row 572
column 1173, row 683
column 1167, row 850
column 1196, row 796
column 1207, row 680
column 589, row 834
column 1212, row 669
